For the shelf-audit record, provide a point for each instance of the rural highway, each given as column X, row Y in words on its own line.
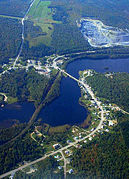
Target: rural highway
column 72, row 143
column 23, row 30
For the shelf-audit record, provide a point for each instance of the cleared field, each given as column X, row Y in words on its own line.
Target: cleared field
column 40, row 10
column 33, row 8
column 41, row 15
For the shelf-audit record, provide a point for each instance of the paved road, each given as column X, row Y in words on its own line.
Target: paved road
column 87, row 88
column 118, row 109
column 65, row 163
column 23, row 29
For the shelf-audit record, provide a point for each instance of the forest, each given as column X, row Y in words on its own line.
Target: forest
column 24, row 149
column 114, row 88
column 14, row 7
column 106, row 156
column 24, row 85
column 10, row 38
column 58, row 33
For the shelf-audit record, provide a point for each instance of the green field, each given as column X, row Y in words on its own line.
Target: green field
column 41, row 15
column 40, row 10
column 54, row 28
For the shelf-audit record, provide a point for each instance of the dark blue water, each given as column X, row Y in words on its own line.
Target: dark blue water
column 113, row 65
column 16, row 113
column 66, row 109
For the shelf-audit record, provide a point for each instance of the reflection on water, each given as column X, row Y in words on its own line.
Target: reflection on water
column 66, row 109
column 15, row 113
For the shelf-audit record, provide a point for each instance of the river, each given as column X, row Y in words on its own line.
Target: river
column 65, row 109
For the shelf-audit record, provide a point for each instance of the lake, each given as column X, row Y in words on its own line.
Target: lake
column 66, row 109
column 15, row 113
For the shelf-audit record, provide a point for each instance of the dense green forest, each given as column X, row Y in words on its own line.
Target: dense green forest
column 114, row 88
column 24, row 149
column 24, row 85
column 56, row 31
column 14, row 7
column 9, row 133
column 106, row 156
column 10, row 38
column 65, row 36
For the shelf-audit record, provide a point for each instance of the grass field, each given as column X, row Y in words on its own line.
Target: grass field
column 40, row 10
column 41, row 15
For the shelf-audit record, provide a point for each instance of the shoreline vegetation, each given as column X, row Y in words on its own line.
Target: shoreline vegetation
column 53, row 93
column 54, row 31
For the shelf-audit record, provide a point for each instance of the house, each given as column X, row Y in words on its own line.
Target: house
column 67, row 152
column 57, row 156
column 59, row 167
column 68, row 160
column 56, row 146
column 78, row 146
column 112, row 122
column 71, row 171
column 92, row 129
column 76, row 138
column 90, row 138
column 107, row 130
column 68, row 141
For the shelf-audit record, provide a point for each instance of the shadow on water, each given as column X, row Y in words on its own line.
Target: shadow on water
column 16, row 113
column 66, row 109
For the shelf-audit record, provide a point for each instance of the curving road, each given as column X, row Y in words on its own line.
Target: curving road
column 87, row 88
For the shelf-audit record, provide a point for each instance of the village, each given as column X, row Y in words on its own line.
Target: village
column 102, row 114
column 77, row 137
column 43, row 66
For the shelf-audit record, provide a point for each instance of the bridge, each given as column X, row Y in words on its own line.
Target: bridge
column 87, row 88
column 70, row 76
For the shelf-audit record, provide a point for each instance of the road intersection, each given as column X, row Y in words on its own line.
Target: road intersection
column 87, row 89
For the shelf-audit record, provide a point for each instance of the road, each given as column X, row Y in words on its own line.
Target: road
column 23, row 30
column 65, row 163
column 118, row 109
column 88, row 89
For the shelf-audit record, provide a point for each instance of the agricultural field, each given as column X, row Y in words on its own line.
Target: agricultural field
column 53, row 27
column 41, row 15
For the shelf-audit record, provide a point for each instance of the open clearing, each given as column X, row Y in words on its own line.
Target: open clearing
column 41, row 15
